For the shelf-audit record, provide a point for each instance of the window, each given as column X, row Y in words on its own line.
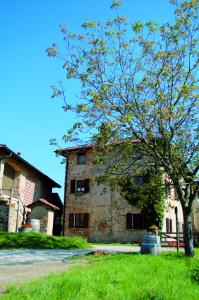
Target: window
column 168, row 225
column 138, row 221
column 138, row 155
column 81, row 158
column 78, row 220
column 167, row 188
column 79, row 186
column 135, row 221
column 139, row 180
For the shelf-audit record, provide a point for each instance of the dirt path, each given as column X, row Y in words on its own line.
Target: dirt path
column 21, row 273
column 19, row 266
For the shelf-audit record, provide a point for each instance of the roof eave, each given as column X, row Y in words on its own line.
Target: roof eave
column 15, row 155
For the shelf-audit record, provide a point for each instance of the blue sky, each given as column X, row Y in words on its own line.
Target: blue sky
column 29, row 117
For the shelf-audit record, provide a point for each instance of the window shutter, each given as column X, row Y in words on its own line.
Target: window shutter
column 86, row 220
column 71, row 220
column 72, row 186
column 86, row 183
column 129, row 218
column 167, row 225
column 170, row 225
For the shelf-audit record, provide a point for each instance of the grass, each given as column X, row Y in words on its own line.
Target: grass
column 33, row 240
column 118, row 277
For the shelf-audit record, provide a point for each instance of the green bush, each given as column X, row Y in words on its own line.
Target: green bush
column 194, row 271
column 33, row 240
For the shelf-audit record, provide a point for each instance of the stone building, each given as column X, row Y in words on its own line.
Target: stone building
column 99, row 213
column 21, row 185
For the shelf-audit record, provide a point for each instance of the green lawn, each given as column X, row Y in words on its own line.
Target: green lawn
column 119, row 277
column 33, row 240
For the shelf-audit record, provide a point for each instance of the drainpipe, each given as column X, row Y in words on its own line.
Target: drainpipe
column 65, row 192
column 17, row 215
column 9, row 211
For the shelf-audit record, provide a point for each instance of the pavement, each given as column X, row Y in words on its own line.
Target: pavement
column 18, row 266
column 24, row 257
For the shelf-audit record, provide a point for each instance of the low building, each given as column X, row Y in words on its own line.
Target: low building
column 21, row 185
column 99, row 213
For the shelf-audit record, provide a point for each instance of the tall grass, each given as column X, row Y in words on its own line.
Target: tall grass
column 33, row 240
column 118, row 277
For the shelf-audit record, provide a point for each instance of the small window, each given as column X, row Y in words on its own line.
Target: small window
column 79, row 220
column 138, row 221
column 135, row 221
column 81, row 158
column 167, row 188
column 139, row 180
column 138, row 155
column 80, row 186
column 169, row 225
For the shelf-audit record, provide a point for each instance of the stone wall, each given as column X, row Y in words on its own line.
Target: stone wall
column 4, row 209
column 9, row 211
column 107, row 209
column 45, row 216
column 28, row 185
column 195, row 215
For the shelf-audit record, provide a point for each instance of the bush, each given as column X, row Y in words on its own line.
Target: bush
column 194, row 271
column 34, row 240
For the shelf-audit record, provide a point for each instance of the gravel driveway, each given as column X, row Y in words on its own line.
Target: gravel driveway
column 23, row 257
column 17, row 266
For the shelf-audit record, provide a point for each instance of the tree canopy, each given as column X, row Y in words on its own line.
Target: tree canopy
column 139, row 81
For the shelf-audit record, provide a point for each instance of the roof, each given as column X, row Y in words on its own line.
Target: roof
column 43, row 202
column 74, row 148
column 23, row 161
column 85, row 147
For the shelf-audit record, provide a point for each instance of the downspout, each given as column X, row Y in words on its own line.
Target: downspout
column 9, row 211
column 65, row 192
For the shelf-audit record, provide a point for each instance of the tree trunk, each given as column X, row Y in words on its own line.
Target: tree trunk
column 188, row 232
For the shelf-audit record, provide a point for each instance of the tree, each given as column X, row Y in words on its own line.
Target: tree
column 139, row 82
column 148, row 194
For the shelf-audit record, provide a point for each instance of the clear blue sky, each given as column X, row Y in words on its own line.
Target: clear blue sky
column 28, row 116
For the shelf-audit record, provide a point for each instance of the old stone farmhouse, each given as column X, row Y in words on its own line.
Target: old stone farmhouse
column 98, row 213
column 25, row 192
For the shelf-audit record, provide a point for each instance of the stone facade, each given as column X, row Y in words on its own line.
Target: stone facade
column 20, row 185
column 46, row 217
column 107, row 210
column 4, row 210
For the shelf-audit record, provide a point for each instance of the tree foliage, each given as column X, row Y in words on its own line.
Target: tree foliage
column 149, row 196
column 139, row 81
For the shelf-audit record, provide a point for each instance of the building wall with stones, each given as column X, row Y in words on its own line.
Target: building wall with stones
column 27, row 186
column 107, row 210
column 46, row 217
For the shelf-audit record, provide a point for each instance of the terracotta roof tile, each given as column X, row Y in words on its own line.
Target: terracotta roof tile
column 88, row 146
column 43, row 202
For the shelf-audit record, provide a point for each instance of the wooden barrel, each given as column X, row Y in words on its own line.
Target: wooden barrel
column 151, row 244
column 35, row 224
